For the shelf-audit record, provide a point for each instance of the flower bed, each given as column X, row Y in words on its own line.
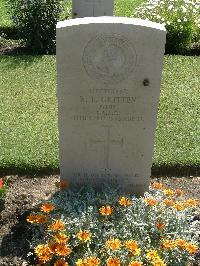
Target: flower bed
column 108, row 228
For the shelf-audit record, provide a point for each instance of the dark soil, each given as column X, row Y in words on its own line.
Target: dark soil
column 26, row 193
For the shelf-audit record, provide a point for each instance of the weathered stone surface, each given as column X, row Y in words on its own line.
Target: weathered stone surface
column 109, row 72
column 92, row 8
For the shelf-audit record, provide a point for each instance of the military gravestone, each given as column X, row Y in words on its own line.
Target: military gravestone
column 109, row 72
column 92, row 8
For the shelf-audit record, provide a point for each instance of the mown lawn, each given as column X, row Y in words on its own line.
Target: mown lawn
column 28, row 114
column 122, row 8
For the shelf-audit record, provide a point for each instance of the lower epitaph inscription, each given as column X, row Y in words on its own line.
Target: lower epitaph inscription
column 107, row 116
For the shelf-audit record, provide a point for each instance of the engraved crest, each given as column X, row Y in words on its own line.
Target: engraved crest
column 109, row 58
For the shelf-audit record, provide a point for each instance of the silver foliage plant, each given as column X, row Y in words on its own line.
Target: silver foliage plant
column 137, row 221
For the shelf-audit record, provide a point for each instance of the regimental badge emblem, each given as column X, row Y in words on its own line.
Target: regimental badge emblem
column 109, row 58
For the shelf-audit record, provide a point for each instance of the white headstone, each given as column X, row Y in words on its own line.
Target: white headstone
column 109, row 72
column 92, row 8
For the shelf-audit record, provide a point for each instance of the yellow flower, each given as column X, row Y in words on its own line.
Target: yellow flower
column 80, row 262
column 179, row 206
column 84, row 235
column 60, row 262
column 160, row 225
column 191, row 202
column 168, row 202
column 152, row 254
column 191, row 248
column 168, row 244
column 124, row 202
column 43, row 253
column 113, row 261
column 37, row 218
column 157, row 185
column 61, row 238
column 158, row 262
column 132, row 246
column 135, row 263
column 106, row 210
column 151, row 201
column 113, row 244
column 57, row 225
column 47, row 207
column 89, row 261
column 62, row 249
column 168, row 192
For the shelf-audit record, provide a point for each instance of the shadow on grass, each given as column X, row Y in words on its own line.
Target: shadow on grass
column 161, row 170
column 23, row 61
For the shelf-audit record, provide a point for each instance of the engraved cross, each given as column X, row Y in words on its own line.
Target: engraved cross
column 106, row 143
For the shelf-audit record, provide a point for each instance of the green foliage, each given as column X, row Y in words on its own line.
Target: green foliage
column 4, row 15
column 36, row 21
column 125, row 8
column 152, row 230
column 28, row 111
column 180, row 17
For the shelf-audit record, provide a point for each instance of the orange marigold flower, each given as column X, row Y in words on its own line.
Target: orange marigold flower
column 53, row 246
column 60, row 262
column 37, row 218
column 47, row 207
column 61, row 238
column 113, row 262
column 157, row 185
column 106, row 210
column 43, row 253
column 123, row 201
column 84, row 235
column 160, row 225
column 168, row 202
column 91, row 261
column 168, row 244
column 62, row 249
column 57, row 225
column 41, row 219
column 62, row 184
column 1, row 183
column 191, row 248
column 113, row 244
column 179, row 206
column 151, row 201
column 168, row 192
column 179, row 192
column 191, row 202
column 135, row 263
column 133, row 247
column 181, row 243
column 32, row 218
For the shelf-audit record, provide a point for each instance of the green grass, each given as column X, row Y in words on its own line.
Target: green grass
column 28, row 112
column 125, row 8
column 4, row 16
